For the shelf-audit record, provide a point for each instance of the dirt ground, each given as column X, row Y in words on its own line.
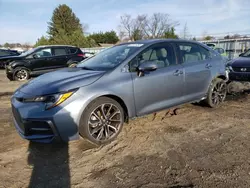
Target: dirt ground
column 198, row 147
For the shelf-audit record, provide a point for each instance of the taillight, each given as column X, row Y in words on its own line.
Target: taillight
column 81, row 55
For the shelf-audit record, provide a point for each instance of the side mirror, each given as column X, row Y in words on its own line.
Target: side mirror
column 34, row 56
column 241, row 54
column 147, row 66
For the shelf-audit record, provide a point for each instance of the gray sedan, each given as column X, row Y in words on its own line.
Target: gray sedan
column 94, row 99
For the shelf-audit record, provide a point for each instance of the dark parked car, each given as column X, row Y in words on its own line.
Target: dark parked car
column 239, row 68
column 41, row 60
column 8, row 53
column 94, row 99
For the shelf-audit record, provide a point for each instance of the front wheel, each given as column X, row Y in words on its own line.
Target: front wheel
column 21, row 74
column 217, row 93
column 102, row 121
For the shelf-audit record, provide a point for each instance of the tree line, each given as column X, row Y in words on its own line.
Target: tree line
column 65, row 28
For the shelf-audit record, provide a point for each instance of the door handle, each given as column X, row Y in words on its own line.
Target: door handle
column 178, row 72
column 208, row 66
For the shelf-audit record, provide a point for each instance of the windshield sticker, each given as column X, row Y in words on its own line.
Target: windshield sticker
column 135, row 45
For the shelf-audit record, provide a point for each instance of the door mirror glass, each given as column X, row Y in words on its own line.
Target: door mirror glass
column 148, row 66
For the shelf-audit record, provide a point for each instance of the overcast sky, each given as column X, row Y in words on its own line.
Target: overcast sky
column 26, row 20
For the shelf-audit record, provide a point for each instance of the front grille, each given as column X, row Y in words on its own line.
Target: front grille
column 18, row 118
column 241, row 69
column 239, row 77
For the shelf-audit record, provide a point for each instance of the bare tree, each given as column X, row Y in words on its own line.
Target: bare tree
column 185, row 32
column 137, row 27
column 126, row 25
column 144, row 26
column 157, row 24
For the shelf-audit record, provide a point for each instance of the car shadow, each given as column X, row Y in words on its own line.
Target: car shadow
column 50, row 165
column 50, row 162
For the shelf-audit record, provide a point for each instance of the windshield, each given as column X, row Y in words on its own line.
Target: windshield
column 28, row 52
column 246, row 54
column 110, row 58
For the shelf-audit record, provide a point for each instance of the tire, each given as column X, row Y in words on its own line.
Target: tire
column 73, row 65
column 21, row 74
column 10, row 77
column 216, row 93
column 97, row 129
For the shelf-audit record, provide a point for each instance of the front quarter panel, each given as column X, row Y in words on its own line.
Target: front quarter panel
column 115, row 83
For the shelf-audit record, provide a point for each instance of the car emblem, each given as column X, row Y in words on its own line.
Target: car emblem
column 243, row 69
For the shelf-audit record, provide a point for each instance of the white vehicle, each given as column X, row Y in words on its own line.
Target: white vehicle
column 88, row 54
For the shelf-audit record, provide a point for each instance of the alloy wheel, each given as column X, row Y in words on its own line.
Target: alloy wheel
column 105, row 122
column 219, row 93
column 22, row 75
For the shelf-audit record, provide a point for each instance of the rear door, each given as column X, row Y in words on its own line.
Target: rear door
column 60, row 57
column 197, row 65
column 161, row 88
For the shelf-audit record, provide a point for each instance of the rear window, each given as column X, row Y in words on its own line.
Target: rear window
column 60, row 51
column 72, row 50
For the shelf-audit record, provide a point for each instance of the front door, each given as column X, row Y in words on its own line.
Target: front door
column 39, row 62
column 159, row 89
column 197, row 67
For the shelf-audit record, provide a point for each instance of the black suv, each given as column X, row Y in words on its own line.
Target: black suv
column 41, row 60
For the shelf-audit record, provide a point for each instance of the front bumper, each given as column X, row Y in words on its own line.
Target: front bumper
column 36, row 130
column 9, row 72
column 35, row 123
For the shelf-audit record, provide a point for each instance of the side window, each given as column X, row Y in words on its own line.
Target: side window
column 59, row 51
column 205, row 53
column 192, row 53
column 72, row 50
column 161, row 54
column 46, row 52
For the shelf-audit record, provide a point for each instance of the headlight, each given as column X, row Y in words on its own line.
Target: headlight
column 51, row 100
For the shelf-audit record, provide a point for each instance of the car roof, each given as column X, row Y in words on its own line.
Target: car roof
column 44, row 46
column 154, row 41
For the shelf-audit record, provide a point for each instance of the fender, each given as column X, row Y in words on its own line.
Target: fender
column 18, row 63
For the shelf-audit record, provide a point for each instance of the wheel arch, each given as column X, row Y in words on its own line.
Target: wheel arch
column 109, row 95
column 19, row 63
column 223, row 77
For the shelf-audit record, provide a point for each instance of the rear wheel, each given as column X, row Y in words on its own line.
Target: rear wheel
column 21, row 74
column 73, row 65
column 217, row 93
column 102, row 121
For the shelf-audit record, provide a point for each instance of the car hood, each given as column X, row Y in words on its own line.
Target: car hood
column 10, row 58
column 240, row 62
column 60, row 81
